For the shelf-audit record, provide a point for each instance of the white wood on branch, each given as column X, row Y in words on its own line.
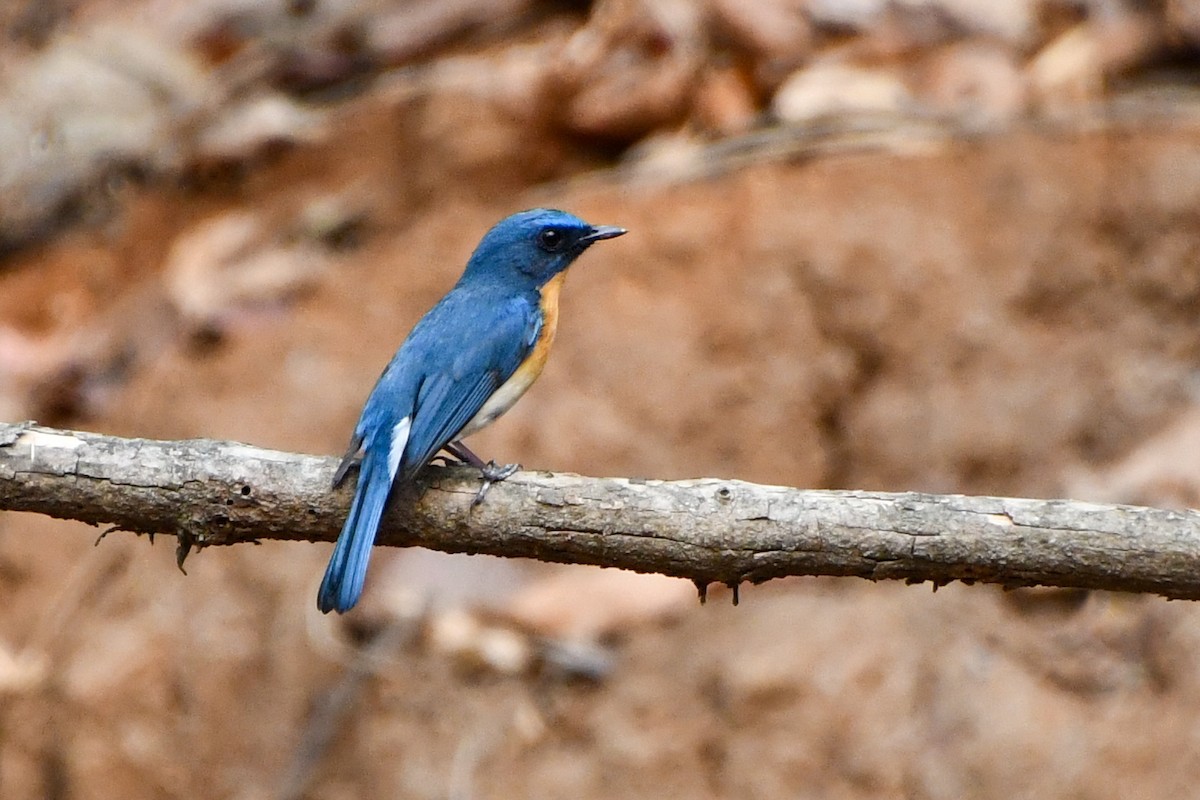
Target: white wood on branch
column 710, row 530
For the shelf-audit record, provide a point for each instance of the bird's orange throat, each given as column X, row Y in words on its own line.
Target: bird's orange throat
column 549, row 304
column 541, row 348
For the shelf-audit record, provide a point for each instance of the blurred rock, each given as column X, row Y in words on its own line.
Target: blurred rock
column 1013, row 21
column 777, row 33
column 851, row 14
column 585, row 603
column 415, row 29
column 474, row 644
column 68, row 368
column 667, row 157
column 338, row 220
column 833, row 90
column 20, row 672
column 725, row 104
column 462, row 606
column 1072, row 71
column 1067, row 72
column 577, row 659
column 1183, row 20
column 974, row 82
column 247, row 129
column 231, row 264
column 487, row 123
column 92, row 102
column 322, row 71
column 33, row 22
column 632, row 68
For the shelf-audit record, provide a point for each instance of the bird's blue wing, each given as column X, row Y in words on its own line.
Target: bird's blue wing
column 449, row 397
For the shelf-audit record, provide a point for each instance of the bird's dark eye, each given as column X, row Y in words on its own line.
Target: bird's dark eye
column 551, row 240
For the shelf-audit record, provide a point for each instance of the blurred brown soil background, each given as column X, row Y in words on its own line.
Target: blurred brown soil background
column 949, row 245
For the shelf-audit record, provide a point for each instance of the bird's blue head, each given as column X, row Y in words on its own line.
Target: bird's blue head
column 533, row 246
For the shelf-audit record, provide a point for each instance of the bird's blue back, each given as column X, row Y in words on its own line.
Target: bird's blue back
column 455, row 358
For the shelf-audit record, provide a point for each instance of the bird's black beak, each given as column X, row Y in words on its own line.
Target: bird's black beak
column 602, row 232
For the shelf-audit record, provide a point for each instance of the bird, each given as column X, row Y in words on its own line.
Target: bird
column 464, row 363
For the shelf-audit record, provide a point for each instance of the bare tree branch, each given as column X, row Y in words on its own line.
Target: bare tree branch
column 216, row 493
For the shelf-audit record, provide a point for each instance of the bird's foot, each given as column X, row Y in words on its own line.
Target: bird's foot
column 493, row 473
column 448, row 461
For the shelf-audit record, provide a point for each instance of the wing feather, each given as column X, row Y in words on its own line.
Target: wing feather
column 450, row 396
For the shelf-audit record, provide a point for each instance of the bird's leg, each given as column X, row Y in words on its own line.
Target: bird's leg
column 464, row 454
column 491, row 471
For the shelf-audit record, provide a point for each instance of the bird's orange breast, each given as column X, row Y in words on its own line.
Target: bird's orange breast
column 511, row 390
column 541, row 348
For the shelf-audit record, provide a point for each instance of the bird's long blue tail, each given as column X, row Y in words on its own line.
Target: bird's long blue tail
column 343, row 582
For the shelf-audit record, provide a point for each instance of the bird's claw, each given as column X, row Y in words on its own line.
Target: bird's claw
column 493, row 473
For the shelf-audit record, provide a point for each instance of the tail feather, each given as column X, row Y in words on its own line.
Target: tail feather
column 347, row 570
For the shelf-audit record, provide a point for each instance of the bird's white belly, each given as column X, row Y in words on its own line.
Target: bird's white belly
column 501, row 400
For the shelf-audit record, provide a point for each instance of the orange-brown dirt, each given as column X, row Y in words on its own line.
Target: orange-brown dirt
column 1010, row 313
